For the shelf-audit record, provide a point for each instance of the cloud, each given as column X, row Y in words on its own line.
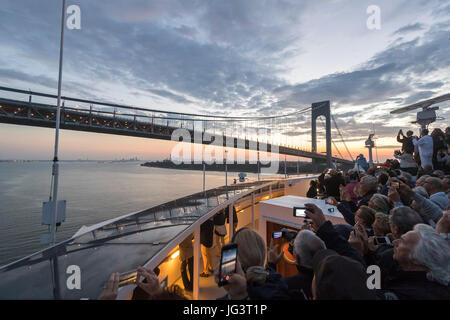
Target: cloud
column 409, row 28
column 170, row 95
column 227, row 56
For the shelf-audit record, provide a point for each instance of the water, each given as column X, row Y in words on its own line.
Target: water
column 94, row 192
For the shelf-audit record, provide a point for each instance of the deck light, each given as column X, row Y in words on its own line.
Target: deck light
column 175, row 254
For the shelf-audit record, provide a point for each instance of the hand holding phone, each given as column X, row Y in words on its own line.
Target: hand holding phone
column 277, row 234
column 228, row 261
column 299, row 212
column 382, row 240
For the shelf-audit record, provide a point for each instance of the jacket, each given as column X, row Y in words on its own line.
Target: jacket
column 414, row 285
column 299, row 286
column 333, row 240
column 207, row 233
column 441, row 199
column 274, row 288
column 406, row 160
column 348, row 209
column 425, row 145
column 429, row 210
column 407, row 143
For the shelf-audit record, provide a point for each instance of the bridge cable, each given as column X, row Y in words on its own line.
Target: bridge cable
column 332, row 141
column 342, row 138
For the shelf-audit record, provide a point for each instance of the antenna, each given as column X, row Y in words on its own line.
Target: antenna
column 427, row 115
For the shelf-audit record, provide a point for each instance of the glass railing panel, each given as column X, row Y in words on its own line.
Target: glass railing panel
column 120, row 246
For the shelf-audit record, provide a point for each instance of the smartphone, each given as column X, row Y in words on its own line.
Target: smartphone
column 228, row 261
column 382, row 240
column 277, row 234
column 299, row 212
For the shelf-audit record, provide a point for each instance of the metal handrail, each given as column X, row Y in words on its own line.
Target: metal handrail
column 215, row 117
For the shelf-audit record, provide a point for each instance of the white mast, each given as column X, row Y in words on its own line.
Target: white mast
column 55, row 171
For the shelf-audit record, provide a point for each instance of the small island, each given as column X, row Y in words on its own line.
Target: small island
column 291, row 166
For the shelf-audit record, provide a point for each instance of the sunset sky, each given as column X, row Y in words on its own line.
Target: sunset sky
column 235, row 57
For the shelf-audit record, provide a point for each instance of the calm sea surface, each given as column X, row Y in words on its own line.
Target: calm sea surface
column 94, row 192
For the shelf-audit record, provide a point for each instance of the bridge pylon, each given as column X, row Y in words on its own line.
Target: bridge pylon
column 321, row 109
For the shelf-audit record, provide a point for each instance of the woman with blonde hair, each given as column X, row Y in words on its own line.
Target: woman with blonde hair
column 263, row 283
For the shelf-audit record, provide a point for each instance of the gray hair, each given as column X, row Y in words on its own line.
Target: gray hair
column 306, row 244
column 404, row 218
column 422, row 191
column 407, row 176
column 381, row 201
column 433, row 252
column 370, row 181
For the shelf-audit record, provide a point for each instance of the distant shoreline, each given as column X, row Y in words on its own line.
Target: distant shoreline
column 291, row 167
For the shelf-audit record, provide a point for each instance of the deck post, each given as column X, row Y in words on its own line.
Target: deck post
column 253, row 211
column 196, row 289
column 90, row 115
column 230, row 219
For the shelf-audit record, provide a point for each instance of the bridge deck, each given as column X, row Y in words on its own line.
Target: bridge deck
column 89, row 120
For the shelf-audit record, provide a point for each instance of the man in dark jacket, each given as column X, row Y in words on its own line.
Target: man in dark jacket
column 407, row 142
column 423, row 273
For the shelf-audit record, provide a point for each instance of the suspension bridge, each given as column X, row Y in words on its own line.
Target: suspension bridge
column 294, row 134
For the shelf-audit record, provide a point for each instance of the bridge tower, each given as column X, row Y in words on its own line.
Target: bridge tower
column 321, row 109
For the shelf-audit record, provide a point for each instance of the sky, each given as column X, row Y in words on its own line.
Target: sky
column 252, row 57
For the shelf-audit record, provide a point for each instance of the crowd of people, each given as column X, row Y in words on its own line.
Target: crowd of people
column 397, row 222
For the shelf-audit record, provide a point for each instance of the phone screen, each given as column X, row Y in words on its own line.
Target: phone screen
column 277, row 234
column 299, row 212
column 227, row 263
column 382, row 240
